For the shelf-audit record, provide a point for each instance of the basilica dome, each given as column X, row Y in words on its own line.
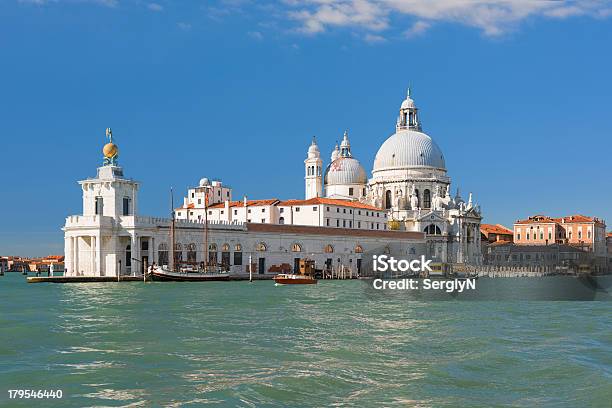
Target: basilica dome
column 345, row 171
column 409, row 148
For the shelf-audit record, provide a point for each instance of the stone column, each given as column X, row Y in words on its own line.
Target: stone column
column 98, row 255
column 151, row 252
column 75, row 266
column 135, row 254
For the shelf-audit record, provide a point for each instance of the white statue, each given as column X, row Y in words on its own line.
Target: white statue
column 414, row 201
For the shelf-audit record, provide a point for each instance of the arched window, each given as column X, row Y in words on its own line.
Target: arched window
column 238, row 248
column 212, row 247
column 191, row 253
column 296, row 247
column 328, row 249
column 432, row 230
column 225, row 256
column 387, row 251
column 426, row 199
column 281, row 220
column 358, row 249
column 416, row 192
column 261, row 246
column 162, row 254
column 388, row 202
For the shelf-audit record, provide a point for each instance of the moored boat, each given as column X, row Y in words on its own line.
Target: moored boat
column 157, row 273
column 293, row 279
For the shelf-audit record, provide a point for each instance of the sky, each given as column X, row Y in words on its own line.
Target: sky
column 515, row 93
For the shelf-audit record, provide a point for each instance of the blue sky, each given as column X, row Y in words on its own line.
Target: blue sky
column 516, row 93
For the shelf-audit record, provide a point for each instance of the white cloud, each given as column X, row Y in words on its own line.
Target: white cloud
column 183, row 25
column 256, row 35
column 417, row 29
column 492, row 17
column 155, row 7
column 373, row 38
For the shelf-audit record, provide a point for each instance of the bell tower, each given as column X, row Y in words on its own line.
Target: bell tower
column 314, row 174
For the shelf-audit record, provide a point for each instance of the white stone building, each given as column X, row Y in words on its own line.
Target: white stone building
column 405, row 204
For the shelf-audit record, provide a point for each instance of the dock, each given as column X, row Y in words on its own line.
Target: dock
column 125, row 278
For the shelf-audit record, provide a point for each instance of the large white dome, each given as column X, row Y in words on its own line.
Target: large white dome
column 344, row 171
column 409, row 148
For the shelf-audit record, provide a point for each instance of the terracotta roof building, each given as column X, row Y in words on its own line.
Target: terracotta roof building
column 584, row 232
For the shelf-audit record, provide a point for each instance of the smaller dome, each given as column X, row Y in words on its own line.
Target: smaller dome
column 110, row 150
column 345, row 171
column 408, row 103
column 313, row 150
column 204, row 182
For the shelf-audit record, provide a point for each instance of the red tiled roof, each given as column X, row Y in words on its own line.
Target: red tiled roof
column 578, row 218
column 295, row 202
column 250, row 203
column 537, row 219
column 330, row 201
column 495, row 229
column 350, row 232
column 544, row 219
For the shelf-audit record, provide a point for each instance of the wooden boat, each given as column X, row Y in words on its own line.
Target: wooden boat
column 165, row 275
column 293, row 279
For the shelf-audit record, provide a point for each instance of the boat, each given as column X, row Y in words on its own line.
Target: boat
column 157, row 273
column 306, row 269
column 186, row 273
column 293, row 279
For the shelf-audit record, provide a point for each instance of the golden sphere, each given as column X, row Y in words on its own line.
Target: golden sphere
column 110, row 150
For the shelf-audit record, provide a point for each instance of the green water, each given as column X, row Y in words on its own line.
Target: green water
column 241, row 344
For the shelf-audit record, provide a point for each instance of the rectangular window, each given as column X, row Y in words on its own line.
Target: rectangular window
column 337, row 209
column 358, row 224
column 235, row 212
column 282, row 210
column 359, row 212
column 199, row 201
column 327, row 222
column 249, row 210
column 297, row 209
column 221, row 212
column 327, row 208
column 237, row 258
column 99, row 205
column 126, row 205
column 263, row 220
column 337, row 223
column 350, row 191
column 315, row 208
column 350, row 224
column 344, row 210
column 210, row 213
column 263, row 210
